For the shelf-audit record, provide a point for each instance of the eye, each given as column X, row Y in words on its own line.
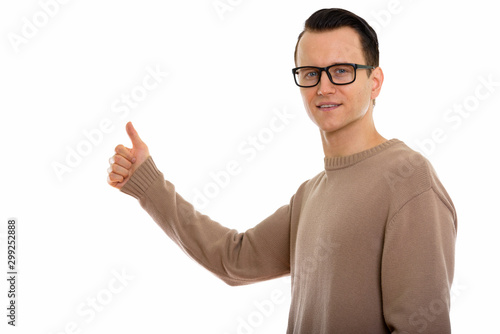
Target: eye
column 309, row 73
column 342, row 71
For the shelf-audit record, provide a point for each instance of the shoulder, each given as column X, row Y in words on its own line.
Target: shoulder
column 408, row 174
column 406, row 169
column 305, row 188
column 313, row 183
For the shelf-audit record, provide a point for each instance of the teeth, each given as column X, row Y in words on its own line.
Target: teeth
column 329, row 105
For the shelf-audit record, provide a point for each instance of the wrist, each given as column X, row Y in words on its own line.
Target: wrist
column 145, row 174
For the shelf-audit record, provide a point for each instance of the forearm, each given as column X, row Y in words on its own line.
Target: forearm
column 237, row 258
column 418, row 265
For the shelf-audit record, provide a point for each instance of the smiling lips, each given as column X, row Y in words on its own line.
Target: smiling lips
column 328, row 106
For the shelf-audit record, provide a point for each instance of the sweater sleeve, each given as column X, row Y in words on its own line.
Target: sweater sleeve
column 418, row 264
column 260, row 253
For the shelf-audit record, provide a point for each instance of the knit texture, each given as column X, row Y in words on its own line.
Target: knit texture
column 369, row 242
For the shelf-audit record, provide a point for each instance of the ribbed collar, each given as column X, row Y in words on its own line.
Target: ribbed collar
column 333, row 163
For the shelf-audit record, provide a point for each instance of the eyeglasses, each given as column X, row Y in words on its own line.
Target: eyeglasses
column 339, row 74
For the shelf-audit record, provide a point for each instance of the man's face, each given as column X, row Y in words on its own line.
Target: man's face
column 351, row 102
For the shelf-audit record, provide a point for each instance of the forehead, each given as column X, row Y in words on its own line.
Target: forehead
column 325, row 48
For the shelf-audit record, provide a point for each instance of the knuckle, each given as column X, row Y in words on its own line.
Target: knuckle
column 119, row 159
column 120, row 170
column 124, row 162
column 120, row 149
column 117, row 169
column 115, row 177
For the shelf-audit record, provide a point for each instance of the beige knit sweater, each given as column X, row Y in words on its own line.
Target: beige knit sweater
column 369, row 243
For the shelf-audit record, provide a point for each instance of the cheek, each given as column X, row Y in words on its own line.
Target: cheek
column 307, row 98
column 360, row 97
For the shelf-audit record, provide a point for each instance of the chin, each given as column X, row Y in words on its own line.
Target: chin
column 330, row 125
column 330, row 129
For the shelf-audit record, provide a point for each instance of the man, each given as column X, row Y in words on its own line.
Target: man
column 369, row 242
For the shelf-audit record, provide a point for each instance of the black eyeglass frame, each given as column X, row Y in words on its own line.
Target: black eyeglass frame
column 326, row 69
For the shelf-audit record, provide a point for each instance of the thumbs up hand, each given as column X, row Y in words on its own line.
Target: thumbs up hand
column 126, row 160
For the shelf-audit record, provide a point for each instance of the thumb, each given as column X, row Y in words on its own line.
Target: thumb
column 134, row 136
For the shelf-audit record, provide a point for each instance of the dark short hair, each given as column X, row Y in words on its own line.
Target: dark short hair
column 334, row 18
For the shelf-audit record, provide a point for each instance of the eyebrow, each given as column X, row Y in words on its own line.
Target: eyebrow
column 336, row 63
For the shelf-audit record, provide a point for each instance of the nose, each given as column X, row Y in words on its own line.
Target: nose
column 325, row 86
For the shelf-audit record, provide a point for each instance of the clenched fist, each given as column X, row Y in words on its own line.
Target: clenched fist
column 126, row 160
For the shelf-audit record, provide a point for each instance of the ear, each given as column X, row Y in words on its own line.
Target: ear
column 377, row 81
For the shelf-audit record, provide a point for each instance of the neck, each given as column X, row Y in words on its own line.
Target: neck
column 355, row 137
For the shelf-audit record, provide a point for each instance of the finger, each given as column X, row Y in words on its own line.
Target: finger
column 124, row 152
column 133, row 135
column 111, row 183
column 121, row 161
column 114, row 184
column 117, row 169
column 114, row 178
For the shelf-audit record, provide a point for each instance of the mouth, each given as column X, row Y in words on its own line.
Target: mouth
column 328, row 106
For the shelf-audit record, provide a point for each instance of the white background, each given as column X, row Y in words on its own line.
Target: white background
column 228, row 72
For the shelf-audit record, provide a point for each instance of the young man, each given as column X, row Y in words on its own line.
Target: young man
column 369, row 242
